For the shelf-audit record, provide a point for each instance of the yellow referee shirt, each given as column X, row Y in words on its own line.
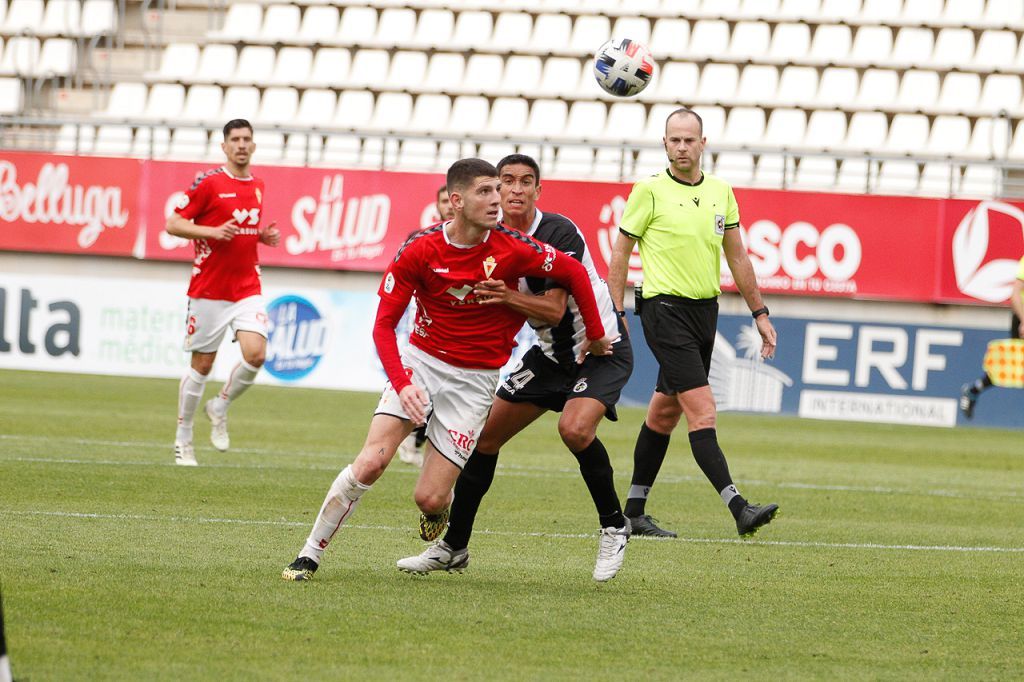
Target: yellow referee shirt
column 680, row 228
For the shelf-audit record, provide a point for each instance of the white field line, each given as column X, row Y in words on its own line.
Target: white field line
column 588, row 536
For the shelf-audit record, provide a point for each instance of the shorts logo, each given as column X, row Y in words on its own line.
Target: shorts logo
column 549, row 258
column 298, row 337
column 489, row 265
column 389, row 283
column 580, row 386
column 719, row 224
column 463, row 442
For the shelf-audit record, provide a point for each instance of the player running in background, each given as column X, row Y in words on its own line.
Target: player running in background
column 684, row 220
column 447, row 375
column 970, row 392
column 547, row 378
column 221, row 214
column 412, row 448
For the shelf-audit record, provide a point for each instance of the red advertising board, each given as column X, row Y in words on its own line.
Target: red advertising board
column 802, row 243
column 68, row 204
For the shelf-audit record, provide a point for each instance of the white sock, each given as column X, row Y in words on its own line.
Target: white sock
column 341, row 501
column 727, row 493
column 238, row 382
column 190, row 392
column 5, row 669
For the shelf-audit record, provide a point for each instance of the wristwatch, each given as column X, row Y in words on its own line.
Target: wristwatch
column 759, row 312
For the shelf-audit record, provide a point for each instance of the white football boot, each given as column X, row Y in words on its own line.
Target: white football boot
column 219, row 427
column 438, row 557
column 611, row 551
column 184, row 454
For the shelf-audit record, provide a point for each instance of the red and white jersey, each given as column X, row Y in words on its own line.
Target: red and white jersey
column 450, row 324
column 224, row 270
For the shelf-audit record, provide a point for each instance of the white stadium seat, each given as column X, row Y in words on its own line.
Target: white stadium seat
column 23, row 15
column 1000, row 91
column 797, row 86
column 316, row 108
column 216, row 64
column 430, row 113
column 717, row 83
column 395, row 27
column 1001, row 13
column 981, row 181
column 953, row 47
column 433, row 29
column 59, row 56
column 255, row 65
column 280, row 24
column 293, row 66
column 757, row 9
column 472, row 30
column 408, row 70
column 548, row 30
column 391, row 112
column 871, row 44
column 11, row 95
column 330, row 67
column 113, row 140
column 866, row 132
column 799, row 9
column 522, row 76
column 949, row 136
column 919, row 90
column 469, row 114
column 99, row 17
column 369, row 68
column 165, row 102
column 957, row 12
column 853, row 175
column 588, row 32
column 61, row 18
column 790, row 42
column 636, row 27
column 960, row 92
column 897, row 177
column 990, row 139
column 547, row 118
column 240, row 101
column 127, row 100
column 907, row 133
column 179, row 62
column 624, row 120
column 190, row 143
column 670, row 37
column 202, row 103
column 878, row 88
column 840, row 10
column 678, row 80
column 319, row 25
column 737, row 168
column 151, row 142
column 507, row 116
column 940, row 179
column 825, row 130
column 815, row 172
column 443, row 71
column 21, row 56
column 880, row 11
column 560, row 77
column 357, row 26
column 242, row 22
column 837, row 84
column 303, row 149
column 913, row 47
column 511, row 32
column 831, row 43
column 708, row 39
column 749, row 40
column 744, row 126
column 75, row 139
column 278, row 106
column 785, row 128
column 758, row 84
column 996, row 49
column 354, row 110
column 481, row 69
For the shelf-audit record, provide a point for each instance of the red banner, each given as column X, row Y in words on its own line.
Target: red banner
column 68, row 204
column 802, row 243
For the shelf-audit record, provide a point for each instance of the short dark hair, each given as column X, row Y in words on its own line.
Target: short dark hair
column 442, row 188
column 234, row 124
column 465, row 171
column 686, row 111
column 523, row 159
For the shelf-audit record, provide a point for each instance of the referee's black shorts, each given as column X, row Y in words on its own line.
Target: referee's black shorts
column 1015, row 327
column 681, row 334
column 540, row 380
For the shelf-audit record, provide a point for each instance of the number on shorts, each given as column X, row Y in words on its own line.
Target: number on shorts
column 520, row 379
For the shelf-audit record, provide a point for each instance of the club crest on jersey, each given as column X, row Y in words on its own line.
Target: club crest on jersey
column 719, row 224
column 489, row 265
column 580, row 386
column 259, row 196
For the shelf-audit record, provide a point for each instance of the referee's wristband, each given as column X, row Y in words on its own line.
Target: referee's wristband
column 620, row 313
column 759, row 312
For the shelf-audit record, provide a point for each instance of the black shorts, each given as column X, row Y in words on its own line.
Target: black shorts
column 681, row 335
column 1015, row 327
column 540, row 380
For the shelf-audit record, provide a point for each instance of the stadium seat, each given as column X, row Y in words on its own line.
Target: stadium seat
column 774, row 170
column 165, row 102
column 216, row 64
column 754, row 9
column 649, row 162
column 127, row 100
column 469, row 114
column 391, row 112
column 654, row 130
column 815, row 172
column 417, row 154
column 878, row 88
column 61, row 18
column 790, row 42
column 316, row 108
column 744, row 126
column 713, row 119
column 624, row 120
column 854, row 176
column 837, row 84
column 913, row 47
column 1003, row 13
column 408, row 70
column 202, row 103
column 430, row 113
column 589, row 31
column 898, row 177
column 330, row 67
column 907, row 133
column 242, row 22
column 496, row 151
column 11, row 96
column 547, row 118
column 178, row 63
column 59, row 57
column 794, row 10
column 342, row 150
column 981, row 181
column 953, row 47
column 831, row 43
column 758, row 84
column 956, row 13
column 270, row 146
column 949, row 136
column 443, row 70
column 866, row 132
column 587, row 119
column 880, row 11
column 190, row 143
column 23, row 15
column 785, row 128
column 840, row 10
column 99, row 17
column 736, row 168
column 960, row 92
column 511, row 31
column 395, row 28
column 560, row 77
column 240, row 101
column 354, row 110
column 990, row 139
column 522, row 76
column 358, row 25
column 369, row 68
column 21, row 56
column 825, row 130
column 74, row 139
column 303, row 149
column 677, row 81
column 574, row 161
column 113, row 140
column 872, row 45
column 549, row 31
column 293, row 66
column 507, row 117
column 670, row 37
column 919, row 90
column 434, row 28
column 940, row 179
column 996, row 50
column 280, row 24
column 613, row 163
column 749, row 40
column 635, row 27
column 1016, row 149
column 481, row 69
column 797, row 86
column 151, row 143
column 472, row 30
column 1000, row 92
column 278, row 106
column 255, row 65
column 319, row 26
column 709, row 38
column 717, row 83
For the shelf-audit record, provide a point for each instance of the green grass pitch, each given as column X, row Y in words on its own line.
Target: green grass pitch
column 899, row 552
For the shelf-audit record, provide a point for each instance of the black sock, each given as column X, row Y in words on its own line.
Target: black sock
column 421, row 436
column 648, row 455
column 470, row 488
column 597, row 473
column 981, row 384
column 711, row 460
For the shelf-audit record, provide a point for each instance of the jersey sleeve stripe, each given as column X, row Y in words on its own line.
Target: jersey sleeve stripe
column 628, row 234
column 202, row 177
column 517, row 235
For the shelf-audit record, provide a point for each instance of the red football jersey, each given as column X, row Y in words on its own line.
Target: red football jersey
column 224, row 270
column 450, row 324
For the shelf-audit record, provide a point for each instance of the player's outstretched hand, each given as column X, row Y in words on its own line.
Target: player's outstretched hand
column 225, row 232
column 768, row 336
column 414, row 401
column 270, row 235
column 490, row 291
column 601, row 346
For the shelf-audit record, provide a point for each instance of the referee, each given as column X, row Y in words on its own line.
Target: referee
column 683, row 218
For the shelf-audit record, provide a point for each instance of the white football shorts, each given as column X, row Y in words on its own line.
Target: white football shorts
column 209, row 320
column 460, row 400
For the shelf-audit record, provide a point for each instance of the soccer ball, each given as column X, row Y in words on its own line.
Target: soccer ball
column 623, row 67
